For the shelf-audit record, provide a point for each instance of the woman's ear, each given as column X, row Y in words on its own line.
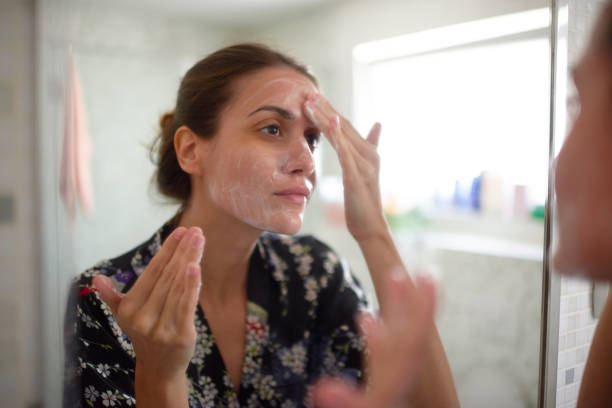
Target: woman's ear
column 188, row 150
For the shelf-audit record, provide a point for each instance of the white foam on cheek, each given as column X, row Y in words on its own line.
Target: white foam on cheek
column 247, row 188
column 282, row 164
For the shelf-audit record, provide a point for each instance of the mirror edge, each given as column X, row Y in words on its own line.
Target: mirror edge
column 551, row 282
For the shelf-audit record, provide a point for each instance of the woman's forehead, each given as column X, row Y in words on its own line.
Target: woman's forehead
column 283, row 86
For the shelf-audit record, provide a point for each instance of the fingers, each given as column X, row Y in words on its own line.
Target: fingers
column 371, row 330
column 400, row 297
column 427, row 296
column 143, row 286
column 179, row 307
column 189, row 250
column 107, row 291
column 323, row 114
column 191, row 295
column 328, row 123
column 334, row 393
column 374, row 135
column 394, row 343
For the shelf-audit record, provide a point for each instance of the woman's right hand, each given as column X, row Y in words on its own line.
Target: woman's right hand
column 157, row 313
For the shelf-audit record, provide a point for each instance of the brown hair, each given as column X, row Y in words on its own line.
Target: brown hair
column 204, row 91
column 608, row 25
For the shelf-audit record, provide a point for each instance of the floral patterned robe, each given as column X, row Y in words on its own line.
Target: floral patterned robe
column 301, row 303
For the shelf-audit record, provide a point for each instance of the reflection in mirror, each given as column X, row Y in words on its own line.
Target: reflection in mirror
column 463, row 151
column 572, row 316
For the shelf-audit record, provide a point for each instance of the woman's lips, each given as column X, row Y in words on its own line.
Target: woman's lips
column 296, row 195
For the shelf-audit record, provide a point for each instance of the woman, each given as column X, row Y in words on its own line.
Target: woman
column 584, row 199
column 164, row 324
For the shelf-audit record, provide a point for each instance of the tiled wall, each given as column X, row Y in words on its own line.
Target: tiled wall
column 576, row 324
column 576, row 328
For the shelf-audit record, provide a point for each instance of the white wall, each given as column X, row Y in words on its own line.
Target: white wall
column 130, row 63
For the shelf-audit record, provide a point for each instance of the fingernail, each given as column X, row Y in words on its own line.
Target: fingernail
column 193, row 270
column 365, row 324
column 336, row 121
column 426, row 279
column 197, row 240
column 398, row 276
column 310, row 109
column 179, row 233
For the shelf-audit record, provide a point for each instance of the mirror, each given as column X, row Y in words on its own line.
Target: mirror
column 462, row 91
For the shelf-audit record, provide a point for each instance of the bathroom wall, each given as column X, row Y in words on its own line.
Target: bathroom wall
column 130, row 63
column 20, row 352
column 576, row 322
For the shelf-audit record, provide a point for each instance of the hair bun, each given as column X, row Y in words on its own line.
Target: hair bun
column 166, row 120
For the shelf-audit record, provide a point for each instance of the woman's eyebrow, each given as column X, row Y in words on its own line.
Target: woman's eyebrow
column 283, row 112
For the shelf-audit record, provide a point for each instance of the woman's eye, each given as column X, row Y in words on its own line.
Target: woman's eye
column 271, row 130
column 313, row 140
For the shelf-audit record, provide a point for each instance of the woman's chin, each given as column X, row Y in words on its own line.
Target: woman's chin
column 591, row 265
column 286, row 226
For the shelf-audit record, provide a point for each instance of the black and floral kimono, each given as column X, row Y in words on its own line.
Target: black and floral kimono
column 301, row 304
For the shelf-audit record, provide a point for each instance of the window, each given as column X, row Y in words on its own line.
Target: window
column 465, row 115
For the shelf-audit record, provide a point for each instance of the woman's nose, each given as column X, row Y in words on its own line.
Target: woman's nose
column 300, row 158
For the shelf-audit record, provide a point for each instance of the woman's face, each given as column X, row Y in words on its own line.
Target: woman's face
column 583, row 174
column 260, row 168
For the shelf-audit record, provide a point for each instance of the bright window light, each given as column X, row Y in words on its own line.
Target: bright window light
column 453, row 109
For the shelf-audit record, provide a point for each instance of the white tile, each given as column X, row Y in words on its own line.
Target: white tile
column 579, row 372
column 571, row 340
column 583, row 302
column 571, row 358
column 583, row 285
column 560, row 396
column 572, row 322
column 581, row 354
column 560, row 378
column 572, row 304
column 581, row 337
column 585, row 318
column 562, row 342
column 567, row 396
column 573, row 392
column 563, row 325
column 562, row 360
column 564, row 306
column 580, row 320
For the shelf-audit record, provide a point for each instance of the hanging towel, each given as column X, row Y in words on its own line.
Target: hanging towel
column 75, row 174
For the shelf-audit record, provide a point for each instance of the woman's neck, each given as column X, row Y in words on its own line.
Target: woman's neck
column 228, row 248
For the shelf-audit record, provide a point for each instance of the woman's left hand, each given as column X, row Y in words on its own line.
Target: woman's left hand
column 360, row 167
column 396, row 347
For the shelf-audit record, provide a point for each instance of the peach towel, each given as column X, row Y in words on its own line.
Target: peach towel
column 75, row 174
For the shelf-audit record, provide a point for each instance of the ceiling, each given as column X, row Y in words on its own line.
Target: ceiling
column 239, row 12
